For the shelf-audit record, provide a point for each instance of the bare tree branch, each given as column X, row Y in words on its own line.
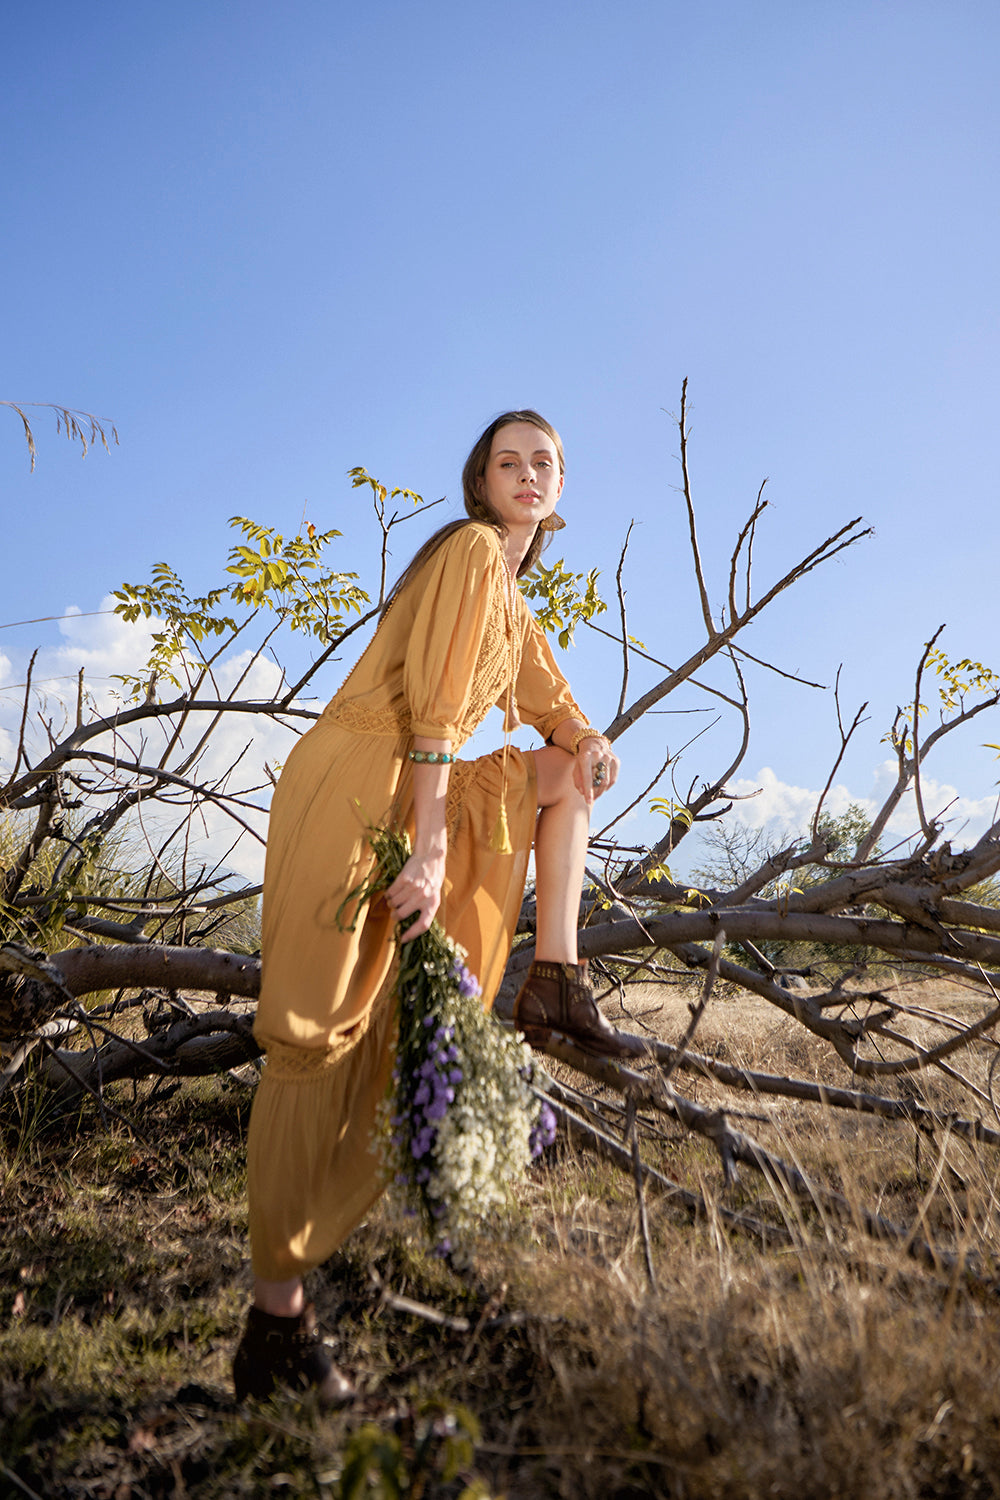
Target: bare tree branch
column 699, row 572
column 621, row 606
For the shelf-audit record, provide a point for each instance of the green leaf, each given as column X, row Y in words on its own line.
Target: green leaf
column 675, row 811
column 561, row 603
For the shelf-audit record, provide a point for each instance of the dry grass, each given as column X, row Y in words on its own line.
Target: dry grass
column 832, row 1366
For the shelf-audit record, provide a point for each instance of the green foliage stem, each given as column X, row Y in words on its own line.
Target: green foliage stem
column 560, row 602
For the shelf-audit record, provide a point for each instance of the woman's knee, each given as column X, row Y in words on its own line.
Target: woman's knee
column 554, row 772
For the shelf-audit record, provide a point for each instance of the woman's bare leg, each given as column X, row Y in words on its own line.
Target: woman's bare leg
column 556, row 993
column 283, row 1299
column 560, row 854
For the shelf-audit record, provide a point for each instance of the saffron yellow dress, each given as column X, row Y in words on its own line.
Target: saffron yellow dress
column 456, row 640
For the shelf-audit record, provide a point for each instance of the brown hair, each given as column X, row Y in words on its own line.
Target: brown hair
column 477, row 507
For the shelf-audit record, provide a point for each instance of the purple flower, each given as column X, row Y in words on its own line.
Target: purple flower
column 468, row 984
column 543, row 1132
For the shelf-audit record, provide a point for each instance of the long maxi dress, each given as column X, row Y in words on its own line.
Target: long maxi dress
column 456, row 640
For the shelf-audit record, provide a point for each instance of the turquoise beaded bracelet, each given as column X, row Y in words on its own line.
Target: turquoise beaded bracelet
column 432, row 757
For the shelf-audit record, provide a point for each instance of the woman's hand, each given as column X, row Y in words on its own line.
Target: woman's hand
column 595, row 767
column 417, row 888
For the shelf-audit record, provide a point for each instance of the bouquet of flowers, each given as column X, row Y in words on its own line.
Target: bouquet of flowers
column 461, row 1121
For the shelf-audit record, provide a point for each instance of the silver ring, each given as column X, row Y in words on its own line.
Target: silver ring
column 600, row 772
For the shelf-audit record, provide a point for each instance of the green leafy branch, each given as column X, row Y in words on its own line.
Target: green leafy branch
column 560, row 603
column 287, row 576
column 676, row 812
column 960, row 678
column 360, row 475
column 271, row 572
column 185, row 620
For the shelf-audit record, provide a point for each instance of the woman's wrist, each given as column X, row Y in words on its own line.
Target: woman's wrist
column 588, row 732
column 431, row 845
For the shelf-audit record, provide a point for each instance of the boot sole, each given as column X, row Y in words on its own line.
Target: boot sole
column 537, row 1036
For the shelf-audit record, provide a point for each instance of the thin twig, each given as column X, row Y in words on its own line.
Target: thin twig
column 621, row 607
column 20, row 753
column 845, row 740
column 698, row 1010
column 632, row 1137
column 930, row 833
column 392, row 1299
column 699, row 572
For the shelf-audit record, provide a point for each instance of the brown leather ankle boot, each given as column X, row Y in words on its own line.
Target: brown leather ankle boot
column 558, row 997
column 286, row 1352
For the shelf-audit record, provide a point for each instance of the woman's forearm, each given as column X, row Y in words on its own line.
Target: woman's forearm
column 416, row 891
column 430, row 798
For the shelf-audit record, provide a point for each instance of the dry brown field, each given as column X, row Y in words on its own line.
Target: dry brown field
column 820, row 1362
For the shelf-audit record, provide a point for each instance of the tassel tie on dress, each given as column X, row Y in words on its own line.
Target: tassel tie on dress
column 500, row 841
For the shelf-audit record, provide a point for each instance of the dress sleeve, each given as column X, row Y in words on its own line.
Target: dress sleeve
column 543, row 695
column 458, row 595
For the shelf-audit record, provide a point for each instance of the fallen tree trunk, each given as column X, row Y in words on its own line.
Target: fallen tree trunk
column 196, row 1046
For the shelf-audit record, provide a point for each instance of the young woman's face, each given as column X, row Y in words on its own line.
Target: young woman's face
column 522, row 480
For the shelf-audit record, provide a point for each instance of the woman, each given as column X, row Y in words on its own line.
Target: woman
column 455, row 638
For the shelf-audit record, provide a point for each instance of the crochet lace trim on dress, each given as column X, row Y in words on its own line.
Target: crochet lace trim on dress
column 287, row 1064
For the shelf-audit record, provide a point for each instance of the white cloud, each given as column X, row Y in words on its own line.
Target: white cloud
column 103, row 645
column 965, row 819
column 786, row 811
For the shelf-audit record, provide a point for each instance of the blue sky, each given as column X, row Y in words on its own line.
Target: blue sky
column 272, row 242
